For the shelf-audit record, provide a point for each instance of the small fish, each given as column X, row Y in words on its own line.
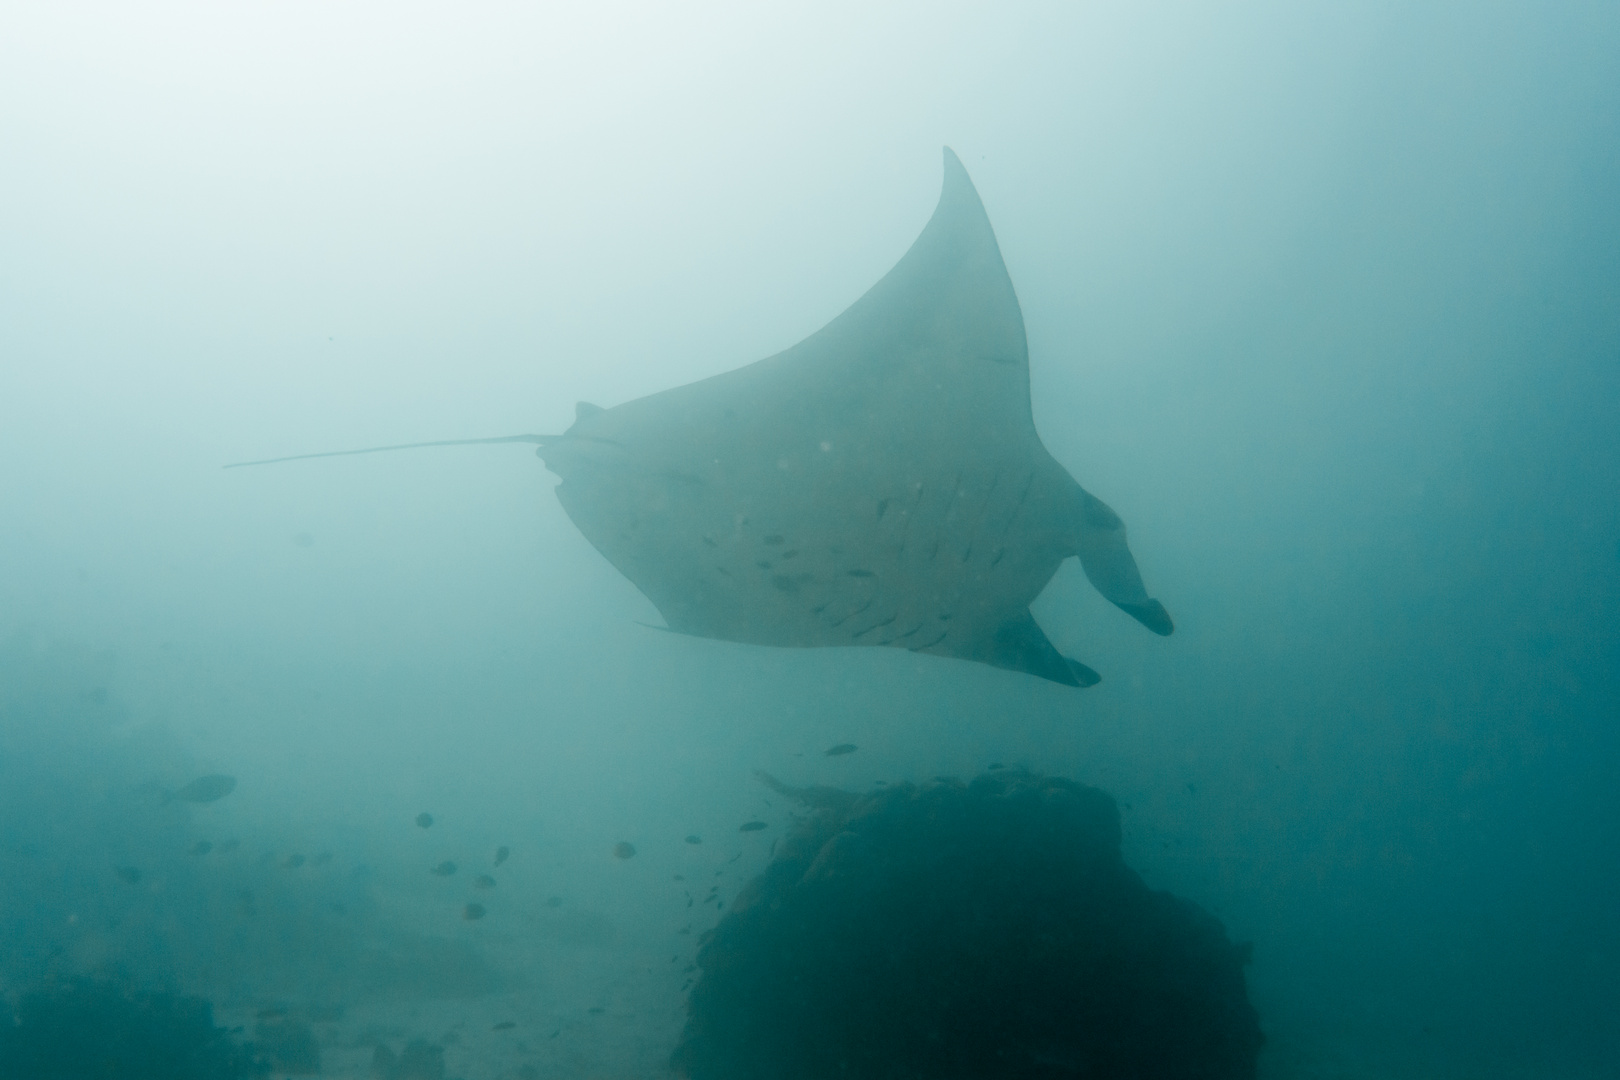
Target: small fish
column 129, row 875
column 424, row 820
column 201, row 847
column 623, row 849
column 553, row 901
column 483, row 881
column 596, row 1010
column 694, row 839
column 994, row 765
column 293, row 862
column 841, row 749
column 751, row 826
column 205, row 789
column 473, row 912
column 502, row 853
column 504, row 1025
column 444, row 869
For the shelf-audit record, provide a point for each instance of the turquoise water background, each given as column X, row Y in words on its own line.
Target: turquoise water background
column 1323, row 299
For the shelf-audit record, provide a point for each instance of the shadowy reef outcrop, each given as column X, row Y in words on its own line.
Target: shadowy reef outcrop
column 953, row 930
column 88, row 1030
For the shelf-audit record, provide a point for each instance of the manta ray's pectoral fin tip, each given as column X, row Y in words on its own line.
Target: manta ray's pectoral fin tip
column 1151, row 615
column 956, row 174
column 1083, row 676
column 582, row 409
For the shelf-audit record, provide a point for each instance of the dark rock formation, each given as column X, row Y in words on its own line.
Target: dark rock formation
column 954, row 931
column 88, row 1030
column 289, row 1045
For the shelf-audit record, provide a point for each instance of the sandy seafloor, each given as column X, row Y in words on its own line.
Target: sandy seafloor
column 581, row 999
column 555, row 1033
column 592, row 1007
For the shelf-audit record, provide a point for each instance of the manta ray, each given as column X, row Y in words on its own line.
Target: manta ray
column 879, row 483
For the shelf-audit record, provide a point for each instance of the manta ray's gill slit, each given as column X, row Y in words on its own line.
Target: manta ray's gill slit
column 890, row 640
column 864, row 582
column 905, row 531
column 875, row 626
column 852, row 614
column 931, row 644
column 978, row 521
column 947, row 515
column 1017, row 508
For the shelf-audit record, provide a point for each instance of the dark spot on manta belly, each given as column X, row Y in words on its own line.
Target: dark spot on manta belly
column 861, row 573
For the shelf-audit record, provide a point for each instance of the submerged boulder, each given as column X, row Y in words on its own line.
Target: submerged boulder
column 953, row 930
column 84, row 1029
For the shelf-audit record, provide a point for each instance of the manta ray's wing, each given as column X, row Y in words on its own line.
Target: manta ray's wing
column 880, row 483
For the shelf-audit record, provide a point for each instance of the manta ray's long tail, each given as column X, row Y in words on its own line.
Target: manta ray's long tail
column 537, row 440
